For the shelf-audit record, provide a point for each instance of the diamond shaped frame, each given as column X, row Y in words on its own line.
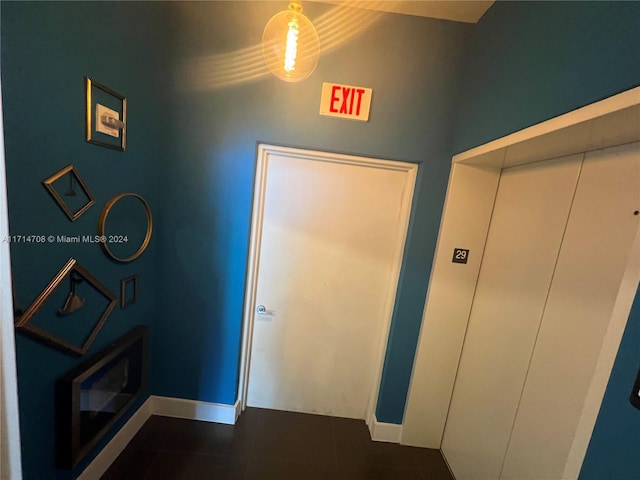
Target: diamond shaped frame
column 24, row 322
column 48, row 183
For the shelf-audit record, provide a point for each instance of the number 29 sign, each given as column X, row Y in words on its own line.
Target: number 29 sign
column 460, row 255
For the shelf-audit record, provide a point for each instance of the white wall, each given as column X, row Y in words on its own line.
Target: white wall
column 10, row 464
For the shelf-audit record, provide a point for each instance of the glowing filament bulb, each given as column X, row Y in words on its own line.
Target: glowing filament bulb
column 291, row 48
column 290, row 44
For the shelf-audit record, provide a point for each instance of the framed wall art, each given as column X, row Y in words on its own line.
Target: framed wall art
column 70, row 192
column 126, row 224
column 106, row 116
column 70, row 311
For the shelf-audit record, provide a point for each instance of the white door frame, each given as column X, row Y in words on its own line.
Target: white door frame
column 264, row 151
column 10, row 459
column 467, row 214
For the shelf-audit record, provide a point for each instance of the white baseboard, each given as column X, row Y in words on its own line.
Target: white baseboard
column 110, row 452
column 194, row 410
column 163, row 406
column 384, row 432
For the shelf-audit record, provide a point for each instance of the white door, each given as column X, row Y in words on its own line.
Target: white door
column 556, row 252
column 327, row 240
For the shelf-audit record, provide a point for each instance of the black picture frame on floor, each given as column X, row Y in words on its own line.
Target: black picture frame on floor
column 634, row 398
column 92, row 397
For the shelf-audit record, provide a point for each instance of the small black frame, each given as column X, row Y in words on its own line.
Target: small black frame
column 76, row 436
column 634, row 398
column 126, row 300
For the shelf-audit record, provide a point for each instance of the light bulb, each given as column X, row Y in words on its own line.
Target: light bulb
column 291, row 48
column 290, row 45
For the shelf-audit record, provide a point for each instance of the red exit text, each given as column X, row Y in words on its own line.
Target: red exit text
column 345, row 101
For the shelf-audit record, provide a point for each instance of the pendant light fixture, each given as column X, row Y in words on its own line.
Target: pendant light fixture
column 290, row 44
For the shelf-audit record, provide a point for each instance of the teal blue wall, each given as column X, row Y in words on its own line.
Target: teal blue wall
column 613, row 450
column 412, row 64
column 532, row 61
column 47, row 50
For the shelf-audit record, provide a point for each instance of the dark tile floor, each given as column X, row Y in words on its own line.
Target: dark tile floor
column 270, row 445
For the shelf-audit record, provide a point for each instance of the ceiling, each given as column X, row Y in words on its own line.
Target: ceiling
column 467, row 11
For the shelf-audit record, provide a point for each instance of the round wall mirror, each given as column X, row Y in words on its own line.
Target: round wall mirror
column 125, row 227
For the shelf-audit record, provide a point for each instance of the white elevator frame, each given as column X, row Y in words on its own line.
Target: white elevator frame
column 471, row 192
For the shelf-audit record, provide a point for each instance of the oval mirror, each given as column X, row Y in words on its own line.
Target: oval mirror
column 125, row 227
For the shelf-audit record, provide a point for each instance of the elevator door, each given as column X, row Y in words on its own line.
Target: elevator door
column 555, row 254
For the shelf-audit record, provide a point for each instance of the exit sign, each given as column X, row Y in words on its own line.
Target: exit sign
column 345, row 101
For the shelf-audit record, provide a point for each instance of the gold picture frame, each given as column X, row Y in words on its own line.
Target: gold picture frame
column 25, row 325
column 119, row 124
column 74, row 177
column 102, row 227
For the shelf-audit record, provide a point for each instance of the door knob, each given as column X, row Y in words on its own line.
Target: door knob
column 262, row 310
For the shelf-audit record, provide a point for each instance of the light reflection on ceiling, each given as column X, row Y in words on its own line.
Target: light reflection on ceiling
column 335, row 27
